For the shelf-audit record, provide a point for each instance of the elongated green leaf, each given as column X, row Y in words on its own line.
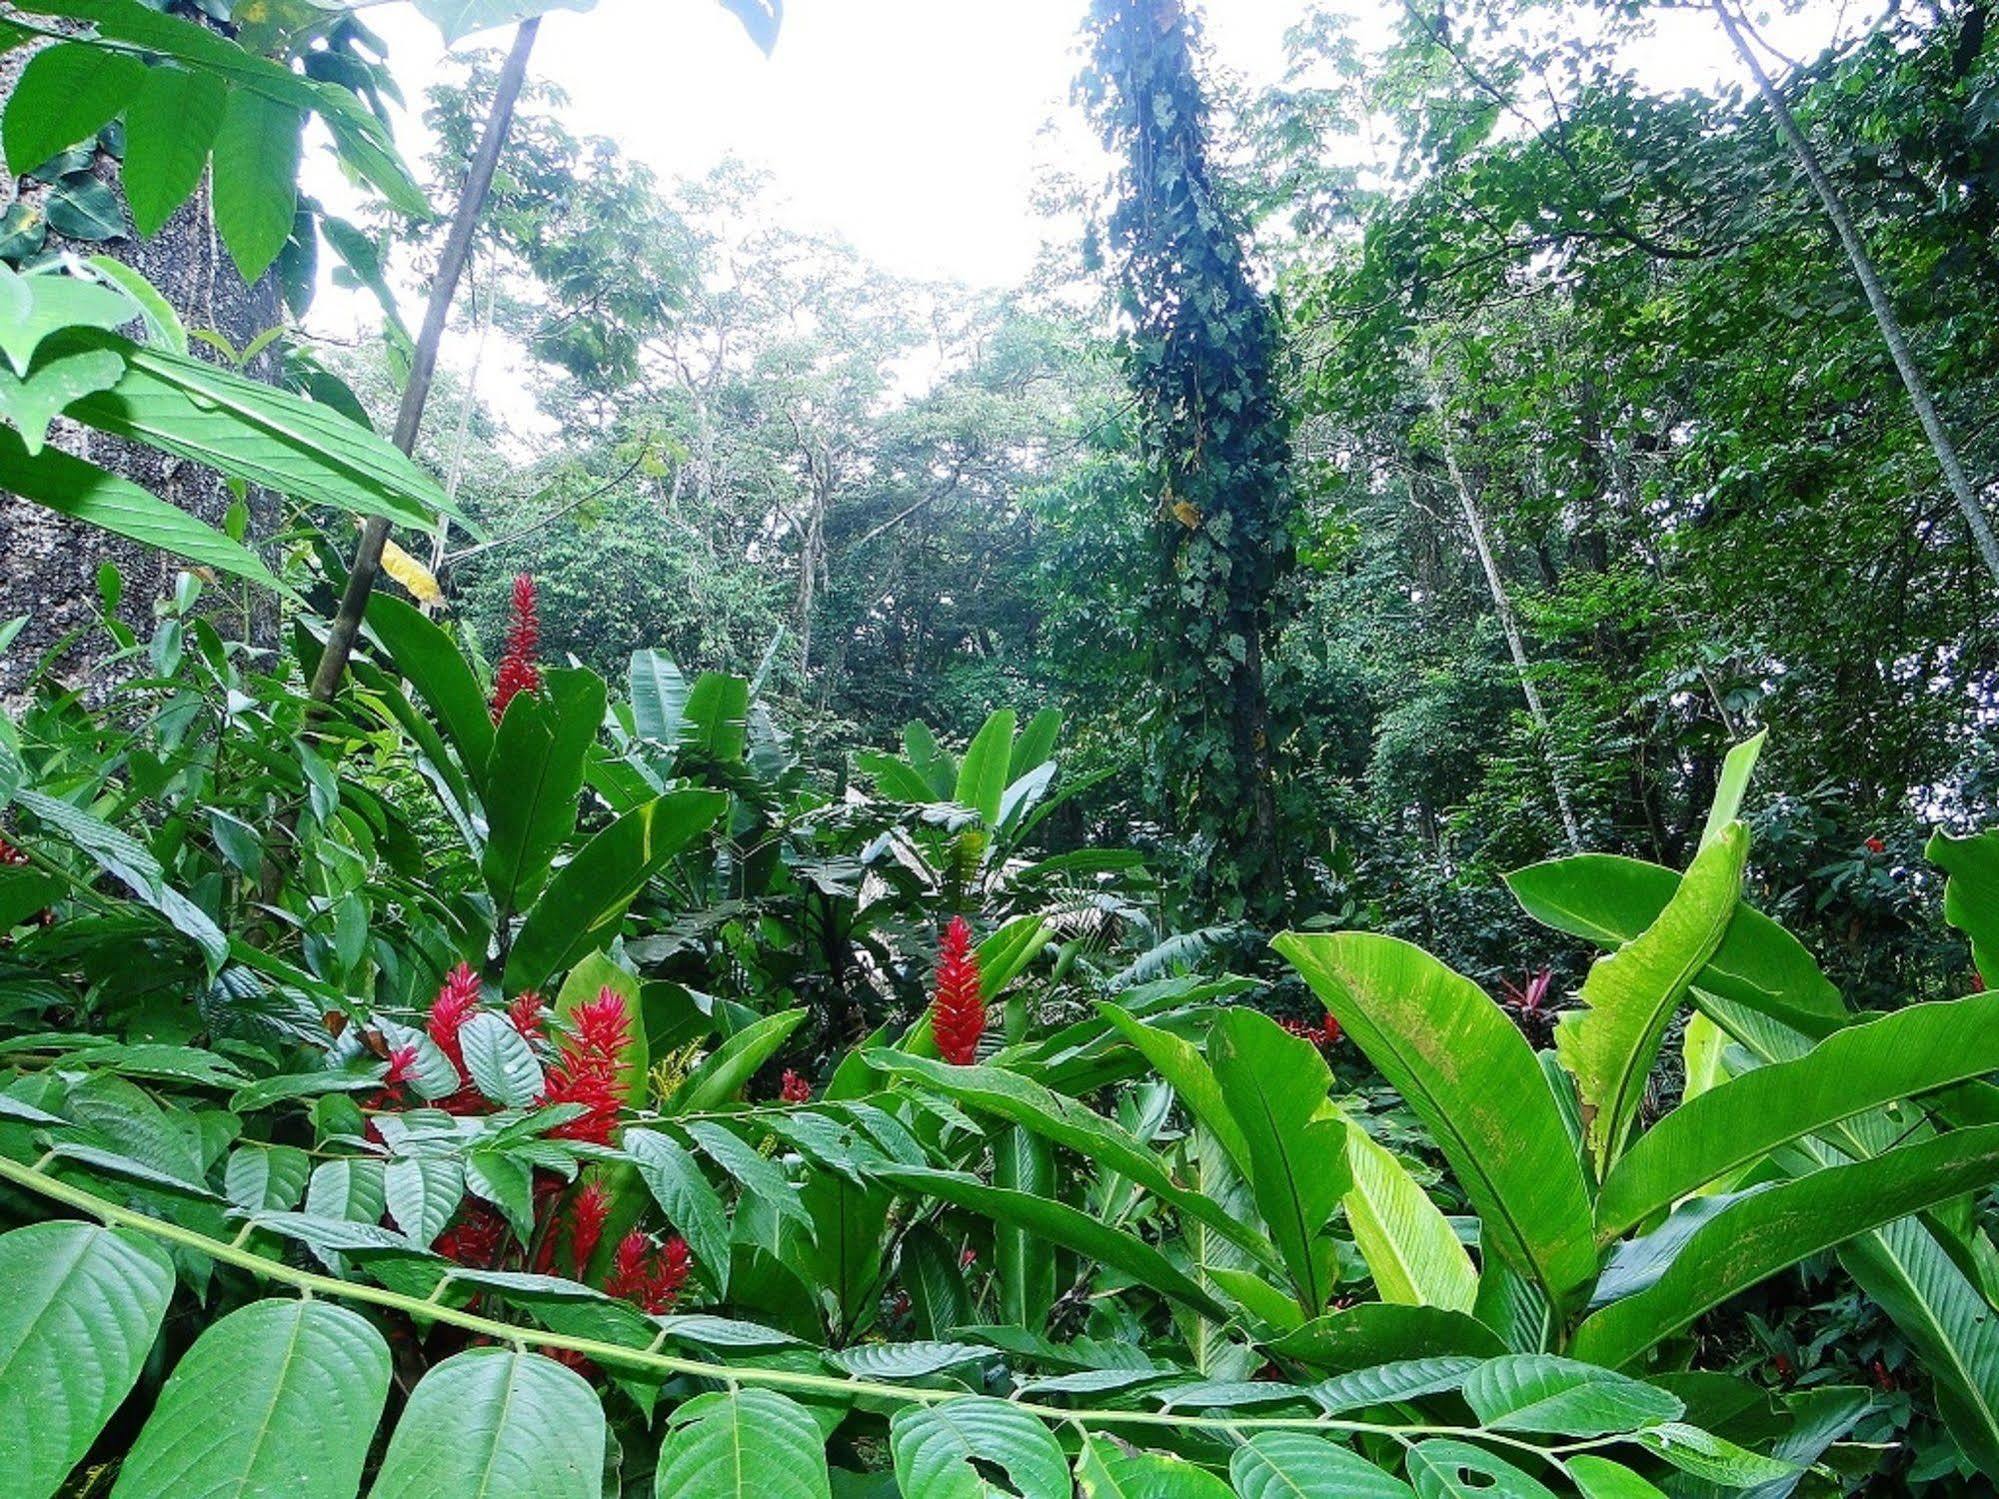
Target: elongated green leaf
column 1895, row 1056
column 659, row 697
column 1971, row 894
column 1034, row 745
column 1707, row 1456
column 588, row 897
column 422, row 1194
column 1736, row 768
column 256, row 178
column 1760, row 1233
column 172, row 122
column 66, row 93
column 261, row 1178
column 1447, row 1469
column 434, row 666
column 501, row 1062
column 685, row 1195
column 56, row 382
column 742, row 1444
column 1023, row 1163
column 1600, row 1478
column 586, row 983
column 533, row 780
column 993, row 1090
column 1469, row 1075
column 722, row 1076
column 1561, row 1397
column 1409, row 1245
column 1298, row 1465
column 936, row 1446
column 716, row 725
column 1630, row 996
column 1063, row 1225
column 1105, row 1472
column 281, row 1397
column 82, row 1308
column 1405, row 1379
column 982, row 776
column 1610, row 900
column 761, row 1178
column 1180, row 1062
column 1275, row 1087
column 96, row 497
column 494, row 1421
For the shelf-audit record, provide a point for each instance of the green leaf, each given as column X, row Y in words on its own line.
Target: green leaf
column 1379, row 1332
column 982, row 775
column 1736, row 1123
column 533, row 781
column 684, row 1194
column 917, row 1360
column 66, row 93
column 421, row 1195
column 742, row 1444
column 1387, row 1384
column 716, row 724
column 1468, row 1074
column 496, row 1421
column 1762, row 1232
column 1297, row 1465
column 36, row 306
column 722, row 1075
column 506, row 1182
column 1062, row 1224
column 658, row 694
column 1105, row 1472
column 425, row 655
column 1034, row 746
column 1707, row 1456
column 1023, row 1163
column 89, row 494
column 1275, row 1088
column 1538, row 1392
column 344, row 1190
column 1446, row 1469
column 80, row 207
column 587, row 899
column 458, row 19
column 761, row 1178
column 83, row 1307
column 501, row 1062
column 256, row 178
column 169, row 127
column 260, row 1178
column 1409, row 1245
column 994, row 1090
column 33, row 403
column 163, row 324
column 1736, row 769
column 1610, row 900
column 1971, row 894
column 1180, row 1062
column 1630, row 996
column 281, row 1397
column 1600, row 1478
column 936, row 1447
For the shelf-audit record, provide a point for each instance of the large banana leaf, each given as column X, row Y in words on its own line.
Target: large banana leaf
column 532, row 782
column 1409, row 1246
column 1472, row 1080
column 1895, row 1056
column 1971, row 895
column 1759, row 1233
column 1630, row 996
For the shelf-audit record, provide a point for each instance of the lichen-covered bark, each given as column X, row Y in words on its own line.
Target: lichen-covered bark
column 49, row 564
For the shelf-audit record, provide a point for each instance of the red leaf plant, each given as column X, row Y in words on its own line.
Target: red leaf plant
column 958, row 1013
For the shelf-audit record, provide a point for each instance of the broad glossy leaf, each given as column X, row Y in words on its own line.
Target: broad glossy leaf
column 1180, row 1062
column 716, row 725
column 256, row 178
column 82, row 1308
column 587, row 899
column 172, row 121
column 1297, row 1465
column 1630, row 996
column 533, row 780
column 32, row 403
column 1898, row 1055
column 742, row 1444
column 658, row 694
column 723, row 1074
column 936, row 1446
column 422, row 1194
column 685, row 1195
column 432, row 662
column 1387, row 1384
column 65, row 94
column 917, row 1360
column 1024, row 1262
column 260, row 1178
column 494, row 1421
column 1469, row 1075
column 281, row 1397
column 1063, row 1225
column 1600, row 1478
column 1541, row 1393
column 1377, row 1332
column 1275, row 1087
column 1707, row 1456
column 1971, row 894
column 1449, row 1469
column 1103, row 1471
column 1409, row 1245
column 1736, row 768
column 982, row 774
column 501, row 1062
column 1763, row 1232
column 759, row 1176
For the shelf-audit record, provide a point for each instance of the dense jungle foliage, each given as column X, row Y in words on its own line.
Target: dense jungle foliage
column 1337, row 849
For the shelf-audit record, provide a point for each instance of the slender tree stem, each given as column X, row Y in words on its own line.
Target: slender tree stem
column 1877, row 296
column 423, row 366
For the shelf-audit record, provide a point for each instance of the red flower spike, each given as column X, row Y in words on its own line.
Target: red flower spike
column 958, row 1014
column 475, row 1240
column 402, row 1065
column 518, row 673
column 456, row 999
column 670, row 1270
column 1876, row 846
column 586, row 1071
column 525, row 1013
column 588, row 1213
column 794, row 1089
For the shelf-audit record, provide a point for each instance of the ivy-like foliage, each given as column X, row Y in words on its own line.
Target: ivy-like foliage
column 1201, row 350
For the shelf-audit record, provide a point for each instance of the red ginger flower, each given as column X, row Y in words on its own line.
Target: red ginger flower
column 1325, row 1037
column 10, row 856
column 456, row 999
column 588, row 1212
column 586, row 1071
column 476, row 1239
column 794, row 1089
column 958, row 1014
column 518, row 673
column 650, row 1277
column 526, row 1014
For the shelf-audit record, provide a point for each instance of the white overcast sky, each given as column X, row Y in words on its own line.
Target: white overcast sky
column 910, row 128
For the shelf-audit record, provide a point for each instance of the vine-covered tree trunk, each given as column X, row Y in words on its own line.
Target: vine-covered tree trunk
column 49, row 564
column 1201, row 354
